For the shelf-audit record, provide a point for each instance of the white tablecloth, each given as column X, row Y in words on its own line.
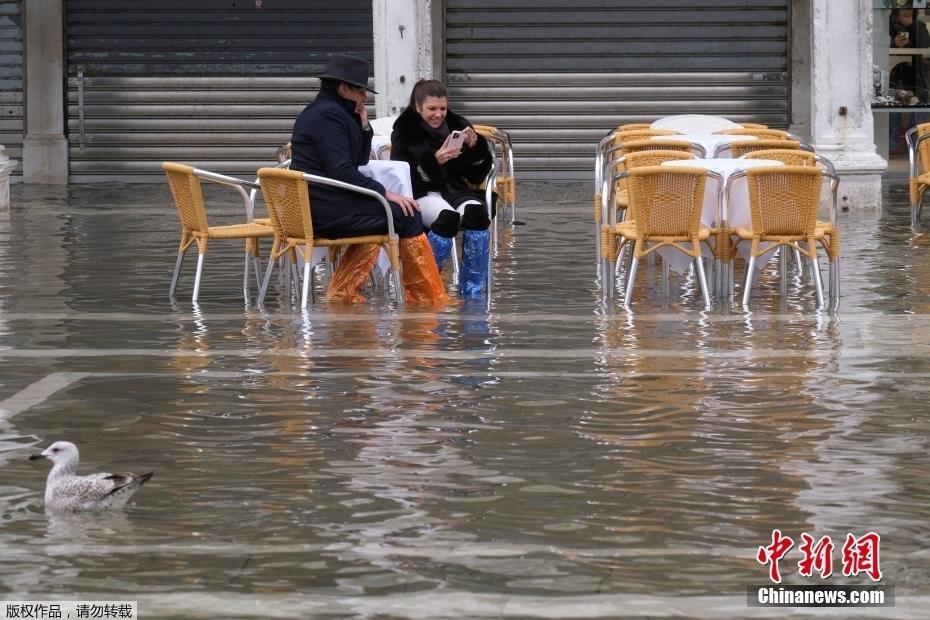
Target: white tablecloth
column 393, row 175
column 708, row 141
column 735, row 211
column 694, row 123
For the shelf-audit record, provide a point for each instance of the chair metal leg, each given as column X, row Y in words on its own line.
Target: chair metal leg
column 783, row 271
column 197, row 277
column 455, row 262
column 177, row 273
column 666, row 272
column 257, row 270
column 702, row 278
column 399, row 287
column 263, row 289
column 305, row 291
column 245, row 278
column 631, row 279
column 608, row 269
column 818, row 281
column 291, row 281
column 490, row 274
column 750, row 276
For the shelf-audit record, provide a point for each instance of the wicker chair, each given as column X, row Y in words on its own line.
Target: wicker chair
column 831, row 231
column 288, row 199
column 918, row 150
column 759, row 132
column 666, row 204
column 184, row 182
column 505, row 182
column 792, row 157
column 754, row 125
column 741, row 147
column 633, row 126
column 630, row 135
column 383, row 151
column 616, row 197
column 635, row 146
column 783, row 204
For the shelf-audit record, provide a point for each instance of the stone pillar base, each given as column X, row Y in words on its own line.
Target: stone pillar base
column 6, row 167
column 860, row 176
column 45, row 159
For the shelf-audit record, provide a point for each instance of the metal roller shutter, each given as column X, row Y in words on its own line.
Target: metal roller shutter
column 214, row 83
column 558, row 75
column 11, row 83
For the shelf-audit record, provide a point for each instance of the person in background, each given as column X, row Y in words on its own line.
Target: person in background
column 331, row 138
column 906, row 30
column 908, row 81
column 446, row 177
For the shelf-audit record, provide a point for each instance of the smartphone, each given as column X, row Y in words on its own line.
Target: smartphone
column 457, row 139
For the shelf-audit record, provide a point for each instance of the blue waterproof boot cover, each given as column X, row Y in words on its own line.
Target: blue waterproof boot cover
column 442, row 247
column 473, row 278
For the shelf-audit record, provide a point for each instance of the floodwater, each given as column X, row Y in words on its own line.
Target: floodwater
column 542, row 458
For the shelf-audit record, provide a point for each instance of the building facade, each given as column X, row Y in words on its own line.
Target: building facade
column 112, row 89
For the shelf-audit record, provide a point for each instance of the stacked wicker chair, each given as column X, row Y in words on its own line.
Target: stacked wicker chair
column 742, row 147
column 918, row 148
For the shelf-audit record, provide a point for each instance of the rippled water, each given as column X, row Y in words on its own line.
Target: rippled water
column 544, row 458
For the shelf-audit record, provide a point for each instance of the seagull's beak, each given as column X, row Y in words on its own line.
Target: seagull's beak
column 36, row 457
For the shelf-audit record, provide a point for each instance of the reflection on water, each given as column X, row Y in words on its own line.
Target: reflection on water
column 544, row 457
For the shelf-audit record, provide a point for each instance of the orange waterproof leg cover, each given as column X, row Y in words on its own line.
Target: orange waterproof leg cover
column 351, row 273
column 422, row 282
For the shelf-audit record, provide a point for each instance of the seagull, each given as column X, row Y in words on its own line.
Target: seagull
column 65, row 491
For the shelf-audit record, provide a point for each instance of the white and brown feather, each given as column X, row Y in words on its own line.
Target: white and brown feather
column 65, row 491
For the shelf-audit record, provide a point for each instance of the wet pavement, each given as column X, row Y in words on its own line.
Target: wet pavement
column 545, row 457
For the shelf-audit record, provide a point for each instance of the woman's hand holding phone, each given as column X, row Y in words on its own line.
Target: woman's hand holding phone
column 451, row 148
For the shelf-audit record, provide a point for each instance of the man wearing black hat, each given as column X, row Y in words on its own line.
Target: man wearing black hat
column 331, row 138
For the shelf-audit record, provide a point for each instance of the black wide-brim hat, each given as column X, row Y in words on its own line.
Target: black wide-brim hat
column 349, row 69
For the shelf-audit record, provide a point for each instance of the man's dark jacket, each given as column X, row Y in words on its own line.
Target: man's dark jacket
column 328, row 140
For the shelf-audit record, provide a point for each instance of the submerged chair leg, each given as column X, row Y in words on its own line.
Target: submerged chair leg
column 783, row 270
column 177, row 273
column 702, row 279
column 666, row 272
column 197, row 276
column 818, row 281
column 245, row 278
column 305, row 291
column 263, row 289
column 750, row 276
column 630, row 280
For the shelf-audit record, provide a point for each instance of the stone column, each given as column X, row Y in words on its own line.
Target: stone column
column 403, row 51
column 45, row 148
column 6, row 167
column 840, row 97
